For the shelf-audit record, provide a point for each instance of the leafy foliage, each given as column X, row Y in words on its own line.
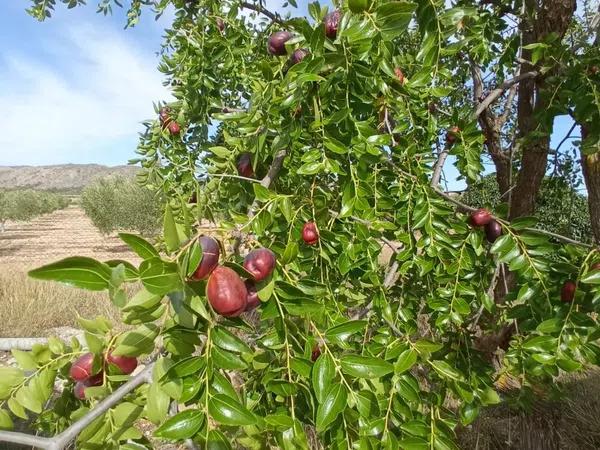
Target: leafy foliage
column 119, row 203
column 339, row 140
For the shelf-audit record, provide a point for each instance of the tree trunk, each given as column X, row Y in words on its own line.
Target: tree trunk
column 591, row 175
column 552, row 16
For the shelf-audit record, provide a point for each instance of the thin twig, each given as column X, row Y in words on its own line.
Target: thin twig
column 490, row 293
column 262, row 10
column 227, row 175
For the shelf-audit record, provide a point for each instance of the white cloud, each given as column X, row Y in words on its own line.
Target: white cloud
column 96, row 89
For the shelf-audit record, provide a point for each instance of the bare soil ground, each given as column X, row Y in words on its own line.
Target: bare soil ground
column 33, row 308
column 54, row 236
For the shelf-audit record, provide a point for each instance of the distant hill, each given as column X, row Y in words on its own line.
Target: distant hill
column 67, row 178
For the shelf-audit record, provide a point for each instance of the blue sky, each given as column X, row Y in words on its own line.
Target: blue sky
column 75, row 88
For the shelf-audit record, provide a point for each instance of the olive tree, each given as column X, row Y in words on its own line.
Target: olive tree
column 119, row 203
column 25, row 204
column 333, row 134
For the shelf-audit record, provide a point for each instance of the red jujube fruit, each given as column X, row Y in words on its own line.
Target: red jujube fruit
column 310, row 234
column 210, row 257
column 260, row 263
column 226, row 292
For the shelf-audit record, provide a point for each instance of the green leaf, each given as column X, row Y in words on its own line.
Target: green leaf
column 170, row 233
column 591, row 277
column 142, row 247
column 228, row 411
column 323, row 373
column 159, row 277
column 333, row 404
column 194, row 257
column 25, row 359
column 136, row 342
column 262, row 193
column 367, row 405
column 228, row 341
column 9, row 377
column 341, row 333
column 157, row 404
column 424, row 346
column 6, row 422
column 143, row 300
column 550, row 326
column 365, row 366
column 503, row 244
column 394, row 18
column 540, row 343
column 446, row 370
column 183, row 425
column 405, row 361
column 217, row 441
column 78, row 271
column 185, row 367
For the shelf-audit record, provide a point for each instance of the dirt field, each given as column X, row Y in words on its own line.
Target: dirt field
column 33, row 308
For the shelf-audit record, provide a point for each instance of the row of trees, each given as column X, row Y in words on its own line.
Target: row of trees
column 26, row 204
column 119, row 203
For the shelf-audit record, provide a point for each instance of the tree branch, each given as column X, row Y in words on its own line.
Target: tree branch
column 534, row 230
column 61, row 441
column 262, row 10
column 509, row 101
column 493, row 96
column 439, row 166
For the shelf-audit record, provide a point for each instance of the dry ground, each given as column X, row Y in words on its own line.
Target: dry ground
column 32, row 308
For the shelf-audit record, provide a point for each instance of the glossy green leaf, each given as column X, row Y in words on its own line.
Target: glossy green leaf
column 78, row 271
column 365, row 366
column 333, row 404
column 228, row 411
column 183, row 425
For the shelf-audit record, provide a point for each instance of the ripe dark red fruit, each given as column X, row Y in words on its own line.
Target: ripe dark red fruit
column 81, row 369
column 310, row 234
column 596, row 266
column 400, row 75
column 316, row 352
column 276, row 43
column 331, row 22
column 480, row 218
column 80, row 386
column 452, row 135
column 244, row 165
column 164, row 115
column 174, row 128
column 226, row 292
column 260, row 263
column 220, row 24
column 79, row 390
column 493, row 230
column 567, row 293
column 298, row 55
column 210, row 257
column 252, row 300
column 125, row 364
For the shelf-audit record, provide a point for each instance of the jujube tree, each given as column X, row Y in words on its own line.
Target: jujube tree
column 320, row 162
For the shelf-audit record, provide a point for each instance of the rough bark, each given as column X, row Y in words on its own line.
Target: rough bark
column 591, row 175
column 552, row 16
